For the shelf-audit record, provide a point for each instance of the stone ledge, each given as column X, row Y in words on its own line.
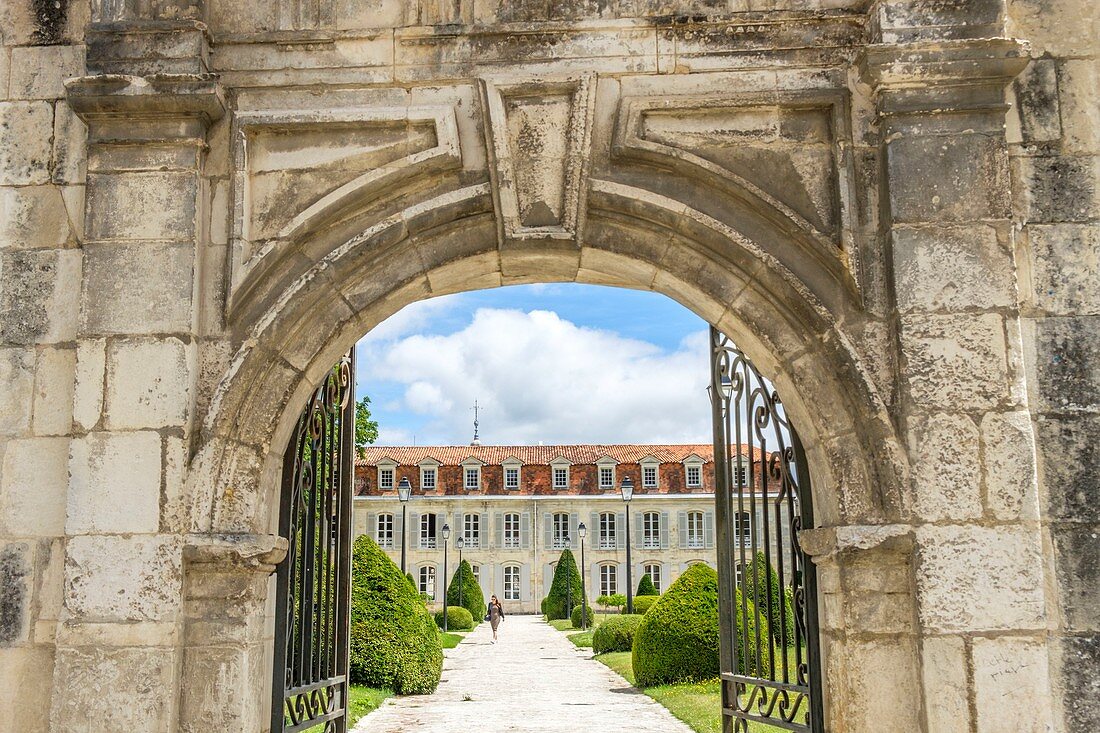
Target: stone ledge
column 257, row 552
column 124, row 99
column 825, row 543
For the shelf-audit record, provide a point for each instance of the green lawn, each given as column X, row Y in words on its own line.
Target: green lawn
column 450, row 639
column 561, row 624
column 362, row 700
column 582, row 638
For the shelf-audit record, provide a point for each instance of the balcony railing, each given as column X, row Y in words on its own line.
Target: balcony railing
column 607, row 543
column 427, row 543
column 651, row 543
column 511, row 543
column 471, row 543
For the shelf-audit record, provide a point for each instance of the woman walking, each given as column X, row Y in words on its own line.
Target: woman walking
column 495, row 615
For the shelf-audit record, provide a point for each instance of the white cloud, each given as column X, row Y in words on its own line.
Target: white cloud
column 540, row 378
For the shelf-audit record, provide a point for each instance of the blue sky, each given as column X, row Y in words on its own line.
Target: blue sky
column 559, row 363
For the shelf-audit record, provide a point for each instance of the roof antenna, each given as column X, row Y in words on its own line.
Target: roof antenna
column 476, row 440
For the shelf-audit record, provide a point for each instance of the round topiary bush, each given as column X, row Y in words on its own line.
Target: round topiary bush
column 394, row 642
column 565, row 574
column 678, row 637
column 646, row 587
column 464, row 591
column 643, row 604
column 575, row 618
column 458, row 619
column 616, row 634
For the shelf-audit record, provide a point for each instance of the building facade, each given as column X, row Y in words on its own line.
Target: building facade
column 517, row 507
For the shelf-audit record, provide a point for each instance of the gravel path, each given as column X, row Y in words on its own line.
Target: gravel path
column 533, row 679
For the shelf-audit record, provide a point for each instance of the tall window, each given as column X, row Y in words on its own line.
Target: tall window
column 695, row 529
column 738, row 574
column 385, row 478
column 383, row 533
column 473, row 479
column 607, row 531
column 511, row 477
column 511, row 530
column 471, row 530
column 608, row 584
column 649, row 477
column 427, row 479
column 651, row 530
column 561, row 477
column 742, row 528
column 476, row 571
column 427, row 531
column 607, row 477
column 561, row 530
column 511, row 583
column 653, row 570
column 427, row 581
column 694, row 476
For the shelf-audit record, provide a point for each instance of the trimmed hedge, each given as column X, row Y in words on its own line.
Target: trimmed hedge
column 472, row 598
column 575, row 617
column 554, row 605
column 646, row 587
column 616, row 634
column 677, row 640
column 778, row 609
column 458, row 619
column 394, row 642
column 643, row 604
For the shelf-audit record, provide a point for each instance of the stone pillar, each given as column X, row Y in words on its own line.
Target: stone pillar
column 118, row 648
column 978, row 550
column 1055, row 158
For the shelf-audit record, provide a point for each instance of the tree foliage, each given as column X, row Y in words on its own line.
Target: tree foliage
column 366, row 430
column 566, row 575
column 763, row 587
column 646, row 587
column 470, row 596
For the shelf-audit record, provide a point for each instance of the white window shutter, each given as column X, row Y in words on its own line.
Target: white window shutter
column 483, row 530
column 548, row 530
column 500, row 529
column 440, row 519
column 458, row 527
column 372, row 525
column 620, row 530
column 597, row 591
column 708, row 529
column 525, row 582
column 683, row 540
column 397, row 529
column 525, row 530
column 664, row 530
column 574, row 520
column 666, row 576
column 639, row 529
column 414, row 530
column 620, row 579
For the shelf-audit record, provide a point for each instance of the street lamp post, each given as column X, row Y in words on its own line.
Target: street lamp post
column 582, row 531
column 627, row 490
column 404, row 492
column 460, row 543
column 446, row 536
column 568, row 586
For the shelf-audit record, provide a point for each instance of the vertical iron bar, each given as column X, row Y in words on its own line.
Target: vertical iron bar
column 809, row 585
column 728, row 637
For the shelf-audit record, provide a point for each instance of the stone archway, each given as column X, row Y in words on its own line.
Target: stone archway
column 841, row 207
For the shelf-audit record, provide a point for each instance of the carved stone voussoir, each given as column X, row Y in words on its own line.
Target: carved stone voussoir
column 538, row 133
column 966, row 75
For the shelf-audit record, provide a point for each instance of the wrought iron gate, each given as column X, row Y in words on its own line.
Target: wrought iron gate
column 314, row 580
column 770, row 671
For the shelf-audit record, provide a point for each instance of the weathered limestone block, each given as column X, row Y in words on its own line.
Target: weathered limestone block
column 1008, row 466
column 1010, row 684
column 115, row 485
column 148, row 384
column 91, row 368
column 974, row 579
column 873, row 673
column 26, row 129
column 16, row 589
column 1065, row 267
column 148, row 285
column 944, row 674
column 946, row 477
column 39, row 72
column 113, row 578
column 952, row 269
column 37, row 301
column 956, row 362
column 17, row 376
column 70, row 157
column 1078, row 80
column 26, row 674
column 34, row 216
column 1057, row 188
column 124, row 688
column 1070, row 466
column 1037, row 102
column 141, row 206
column 33, row 487
column 1077, row 568
column 943, row 179
column 52, row 412
column 1065, row 361
column 1081, row 698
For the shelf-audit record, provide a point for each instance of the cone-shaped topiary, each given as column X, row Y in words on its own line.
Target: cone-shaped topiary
column 771, row 599
column 470, row 596
column 394, row 642
column 412, row 581
column 677, row 639
column 646, row 587
column 565, row 573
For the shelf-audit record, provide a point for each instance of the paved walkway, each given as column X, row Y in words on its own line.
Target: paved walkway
column 533, row 680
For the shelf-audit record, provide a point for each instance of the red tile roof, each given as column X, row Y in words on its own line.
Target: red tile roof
column 453, row 455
